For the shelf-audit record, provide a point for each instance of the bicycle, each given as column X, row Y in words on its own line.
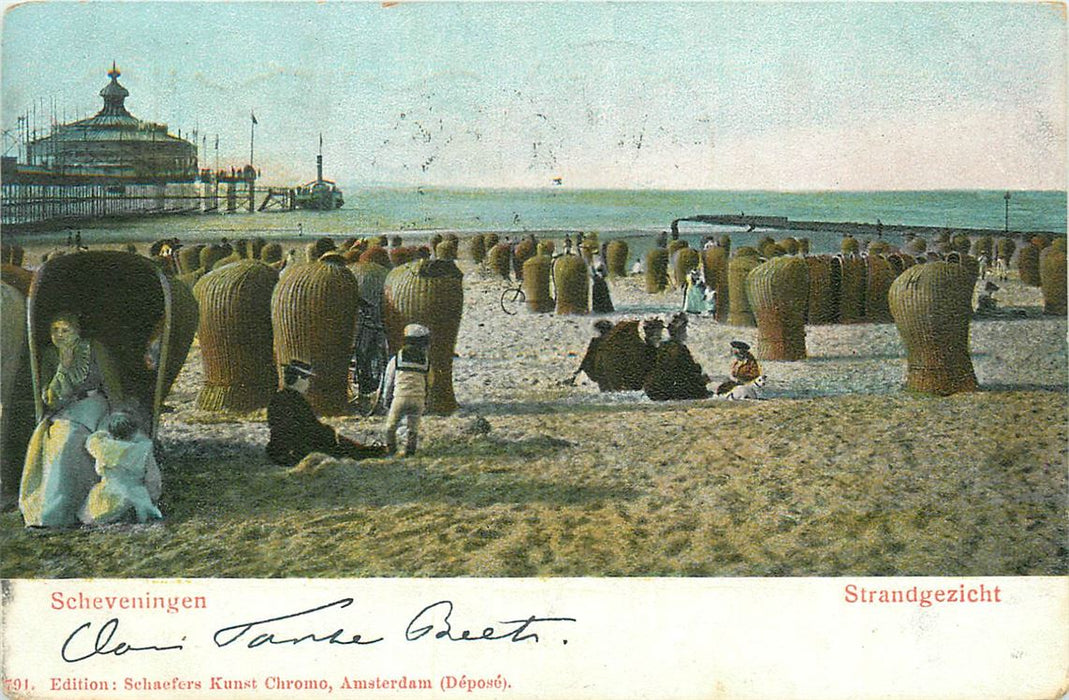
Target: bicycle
column 367, row 367
column 513, row 299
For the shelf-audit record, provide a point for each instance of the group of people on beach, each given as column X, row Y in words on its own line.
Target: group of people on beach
column 296, row 432
column 617, row 359
column 91, row 460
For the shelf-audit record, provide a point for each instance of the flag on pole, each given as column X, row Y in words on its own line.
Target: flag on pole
column 253, row 118
column 217, row 142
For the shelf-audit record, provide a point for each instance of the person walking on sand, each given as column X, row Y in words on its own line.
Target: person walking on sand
column 601, row 301
column 405, row 388
column 744, row 368
column 295, row 430
column 694, row 293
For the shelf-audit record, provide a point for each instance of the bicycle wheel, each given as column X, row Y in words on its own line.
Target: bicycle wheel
column 378, row 358
column 512, row 299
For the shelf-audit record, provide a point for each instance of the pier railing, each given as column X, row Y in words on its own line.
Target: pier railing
column 25, row 204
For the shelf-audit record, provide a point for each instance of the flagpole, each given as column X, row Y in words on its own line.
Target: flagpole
column 252, row 139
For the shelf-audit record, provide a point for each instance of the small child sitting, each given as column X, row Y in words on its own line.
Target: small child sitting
column 129, row 476
column 985, row 301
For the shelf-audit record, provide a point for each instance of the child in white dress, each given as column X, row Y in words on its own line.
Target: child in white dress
column 129, row 476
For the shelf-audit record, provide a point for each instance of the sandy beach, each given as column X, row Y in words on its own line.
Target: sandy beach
column 837, row 471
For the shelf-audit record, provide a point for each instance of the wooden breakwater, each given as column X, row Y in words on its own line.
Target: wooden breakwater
column 850, row 228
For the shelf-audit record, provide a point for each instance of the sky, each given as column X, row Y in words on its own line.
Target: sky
column 663, row 95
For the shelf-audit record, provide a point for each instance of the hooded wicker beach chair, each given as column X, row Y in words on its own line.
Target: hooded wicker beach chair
column 1028, row 265
column 822, row 305
column 740, row 313
column 536, row 286
column 879, row 274
column 932, row 308
column 314, row 312
column 1053, row 279
column 616, row 253
column 431, row 293
column 778, row 290
column 236, row 337
column 571, row 278
column 126, row 303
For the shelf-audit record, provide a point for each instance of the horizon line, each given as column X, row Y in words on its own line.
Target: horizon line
column 565, row 188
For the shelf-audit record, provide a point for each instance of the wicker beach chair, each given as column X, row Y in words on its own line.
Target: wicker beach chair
column 126, row 303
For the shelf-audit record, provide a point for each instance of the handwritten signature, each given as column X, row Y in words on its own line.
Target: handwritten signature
column 102, row 645
column 228, row 635
column 434, row 621
column 438, row 616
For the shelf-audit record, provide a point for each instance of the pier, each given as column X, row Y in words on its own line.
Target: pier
column 116, row 165
column 37, row 205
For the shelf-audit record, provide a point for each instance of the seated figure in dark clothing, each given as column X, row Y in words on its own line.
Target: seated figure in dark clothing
column 600, row 299
column 624, row 359
column 651, row 335
column 589, row 363
column 295, row 430
column 675, row 375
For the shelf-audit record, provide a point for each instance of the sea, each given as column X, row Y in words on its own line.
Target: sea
column 415, row 213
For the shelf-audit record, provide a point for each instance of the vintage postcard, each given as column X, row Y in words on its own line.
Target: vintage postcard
column 534, row 350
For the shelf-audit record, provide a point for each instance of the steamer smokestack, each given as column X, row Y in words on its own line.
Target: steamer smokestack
column 319, row 160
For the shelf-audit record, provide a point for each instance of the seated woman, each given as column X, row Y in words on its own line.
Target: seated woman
column 589, row 364
column 744, row 368
column 58, row 473
column 985, row 301
column 675, row 374
column 130, row 478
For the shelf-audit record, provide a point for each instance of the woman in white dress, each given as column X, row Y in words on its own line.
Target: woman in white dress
column 58, row 473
